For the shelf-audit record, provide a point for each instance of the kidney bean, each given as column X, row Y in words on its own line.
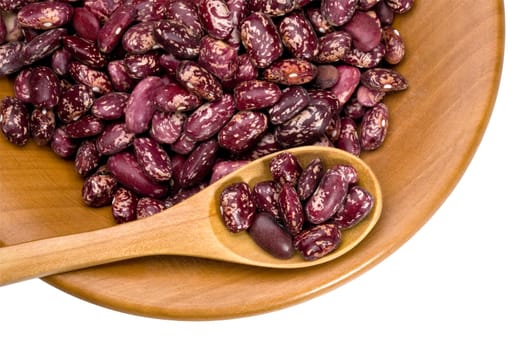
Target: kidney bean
column 60, row 61
column 22, row 85
column 75, row 101
column 394, row 45
column 114, row 138
column 338, row 12
column 63, row 145
column 357, row 205
column 239, row 10
column 42, row 45
column 236, row 207
column 290, row 71
column 318, row 20
column 114, row 28
column 185, row 14
column 172, row 97
column 216, row 18
column 374, row 127
column 266, row 198
column 120, row 79
column 270, row 236
column 349, row 137
column 298, row 36
column 285, row 168
column 333, row 46
column 369, row 59
column 292, row 101
column 365, row 30
column 102, row 8
column 147, row 206
column 383, row 79
column 366, row 4
column 198, row 80
column 325, row 98
column 85, row 51
column 384, row 13
column 353, row 109
column 329, row 194
column 42, row 125
column 42, row 87
column 153, row 159
column 151, row 10
column 266, row 144
column 245, row 71
column 11, row 5
column 310, row 178
column 169, row 63
column 45, row 15
column 218, row 57
column 209, row 118
column 85, row 23
column 84, row 127
column 166, row 127
column 98, row 81
column 141, row 66
column 87, row 158
column 317, row 241
column 176, row 40
column 327, row 76
column 10, row 57
column 261, row 39
column 140, row 38
column 98, row 189
column 256, row 94
column 184, row 144
column 291, row 209
column 14, row 121
column 125, row 167
column 400, row 6
column 242, row 131
column 305, row 127
column 110, row 106
column 199, row 163
column 124, row 205
column 367, row 97
column 225, row 167
column 349, row 78
column 140, row 106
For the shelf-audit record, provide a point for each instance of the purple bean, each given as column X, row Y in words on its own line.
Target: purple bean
column 270, row 236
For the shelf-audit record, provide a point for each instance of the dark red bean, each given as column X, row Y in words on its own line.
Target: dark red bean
column 365, row 30
column 292, row 101
column 225, row 167
column 119, row 76
column 60, row 61
column 236, row 207
column 126, row 169
column 199, row 164
column 63, row 145
column 349, row 78
column 85, row 23
column 114, row 28
column 270, row 236
column 85, row 51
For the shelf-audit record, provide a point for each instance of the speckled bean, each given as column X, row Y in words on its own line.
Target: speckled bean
column 153, row 159
column 114, row 28
column 357, row 205
column 285, row 168
column 63, row 145
column 329, row 194
column 119, row 76
column 290, row 71
column 292, row 101
column 141, row 66
column 176, row 40
column 218, row 57
column 87, row 158
column 261, row 39
column 242, row 131
column 400, row 6
column 349, row 137
column 338, row 12
column 298, row 36
column 75, row 101
column 114, row 138
column 394, row 45
column 199, row 163
column 42, row 45
column 266, row 198
column 172, row 97
column 216, row 18
column 11, row 57
column 97, row 80
column 236, row 207
column 383, row 79
column 125, row 167
column 124, row 205
column 84, row 127
column 291, row 209
column 166, row 127
column 209, row 118
column 45, row 15
column 140, row 38
column 198, row 80
column 374, row 127
column 310, row 178
column 256, row 94
column 85, row 51
column 333, row 46
column 140, row 106
column 147, row 206
column 98, row 189
column 42, row 124
column 318, row 241
column 225, row 167
column 305, row 127
column 110, row 106
column 14, row 120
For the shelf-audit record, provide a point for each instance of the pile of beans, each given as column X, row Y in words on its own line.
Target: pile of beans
column 297, row 210
column 155, row 99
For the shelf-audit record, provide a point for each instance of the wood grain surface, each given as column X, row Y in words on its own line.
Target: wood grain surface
column 453, row 65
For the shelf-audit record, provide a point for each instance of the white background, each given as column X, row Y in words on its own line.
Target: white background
column 457, row 284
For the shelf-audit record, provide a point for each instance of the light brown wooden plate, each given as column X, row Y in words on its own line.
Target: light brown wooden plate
column 453, row 64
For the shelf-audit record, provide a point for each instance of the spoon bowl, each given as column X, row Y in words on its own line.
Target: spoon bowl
column 192, row 228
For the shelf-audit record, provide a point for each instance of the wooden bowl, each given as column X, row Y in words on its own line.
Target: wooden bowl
column 453, row 64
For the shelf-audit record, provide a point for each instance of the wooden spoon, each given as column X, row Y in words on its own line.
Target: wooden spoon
column 192, row 228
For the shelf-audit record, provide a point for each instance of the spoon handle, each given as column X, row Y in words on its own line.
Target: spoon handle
column 178, row 230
